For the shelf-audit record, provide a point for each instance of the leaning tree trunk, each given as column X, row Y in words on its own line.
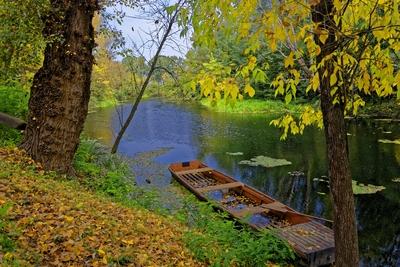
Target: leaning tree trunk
column 345, row 228
column 153, row 66
column 60, row 92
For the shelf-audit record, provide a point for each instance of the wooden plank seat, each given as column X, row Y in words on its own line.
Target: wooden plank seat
column 194, row 171
column 278, row 206
column 220, row 186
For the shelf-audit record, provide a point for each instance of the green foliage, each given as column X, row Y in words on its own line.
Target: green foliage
column 106, row 173
column 9, row 137
column 13, row 101
column 216, row 240
column 8, row 234
column 21, row 41
column 6, row 242
column 112, row 80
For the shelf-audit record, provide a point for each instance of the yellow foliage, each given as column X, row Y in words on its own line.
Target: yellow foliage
column 289, row 60
column 249, row 90
column 364, row 47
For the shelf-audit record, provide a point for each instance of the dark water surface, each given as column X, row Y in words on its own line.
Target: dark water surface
column 187, row 131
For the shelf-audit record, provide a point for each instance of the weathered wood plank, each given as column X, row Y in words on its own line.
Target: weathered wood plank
column 308, row 237
column 276, row 206
column 194, row 171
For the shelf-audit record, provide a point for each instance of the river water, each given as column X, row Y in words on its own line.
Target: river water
column 184, row 132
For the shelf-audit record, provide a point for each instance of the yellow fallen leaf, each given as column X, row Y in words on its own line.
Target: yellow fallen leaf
column 128, row 242
column 8, row 256
column 101, row 252
column 69, row 219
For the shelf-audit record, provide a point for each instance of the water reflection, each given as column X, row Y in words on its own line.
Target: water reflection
column 193, row 132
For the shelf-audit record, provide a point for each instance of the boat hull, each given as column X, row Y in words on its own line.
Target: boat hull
column 308, row 237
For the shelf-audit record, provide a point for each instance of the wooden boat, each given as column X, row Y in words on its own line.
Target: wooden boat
column 310, row 239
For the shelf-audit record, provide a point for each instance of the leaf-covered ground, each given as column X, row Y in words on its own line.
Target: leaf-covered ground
column 54, row 222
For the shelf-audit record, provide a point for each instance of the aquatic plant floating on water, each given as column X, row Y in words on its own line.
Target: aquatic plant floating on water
column 396, row 180
column 359, row 188
column 386, row 141
column 234, row 153
column 265, row 162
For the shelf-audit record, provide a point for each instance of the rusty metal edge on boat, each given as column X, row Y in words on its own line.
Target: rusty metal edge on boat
column 309, row 236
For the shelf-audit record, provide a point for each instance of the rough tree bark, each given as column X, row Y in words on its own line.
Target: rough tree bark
column 60, row 91
column 345, row 228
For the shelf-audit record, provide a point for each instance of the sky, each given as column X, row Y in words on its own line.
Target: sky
column 138, row 35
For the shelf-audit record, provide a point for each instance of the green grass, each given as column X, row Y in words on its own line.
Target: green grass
column 252, row 106
column 9, row 137
column 13, row 101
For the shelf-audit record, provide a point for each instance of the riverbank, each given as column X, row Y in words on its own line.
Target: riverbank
column 252, row 106
column 384, row 110
column 54, row 219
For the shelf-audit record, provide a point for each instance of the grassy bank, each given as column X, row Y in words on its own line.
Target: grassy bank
column 252, row 106
column 384, row 109
column 101, row 218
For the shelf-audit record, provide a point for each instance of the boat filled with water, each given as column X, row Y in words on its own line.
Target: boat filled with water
column 307, row 235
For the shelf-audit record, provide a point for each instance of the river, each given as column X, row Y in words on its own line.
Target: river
column 188, row 131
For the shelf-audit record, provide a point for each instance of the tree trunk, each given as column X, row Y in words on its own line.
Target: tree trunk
column 345, row 228
column 346, row 241
column 60, row 91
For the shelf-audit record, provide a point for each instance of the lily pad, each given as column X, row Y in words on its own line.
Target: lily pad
column 386, row 141
column 265, row 162
column 359, row 188
column 396, row 180
column 234, row 153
